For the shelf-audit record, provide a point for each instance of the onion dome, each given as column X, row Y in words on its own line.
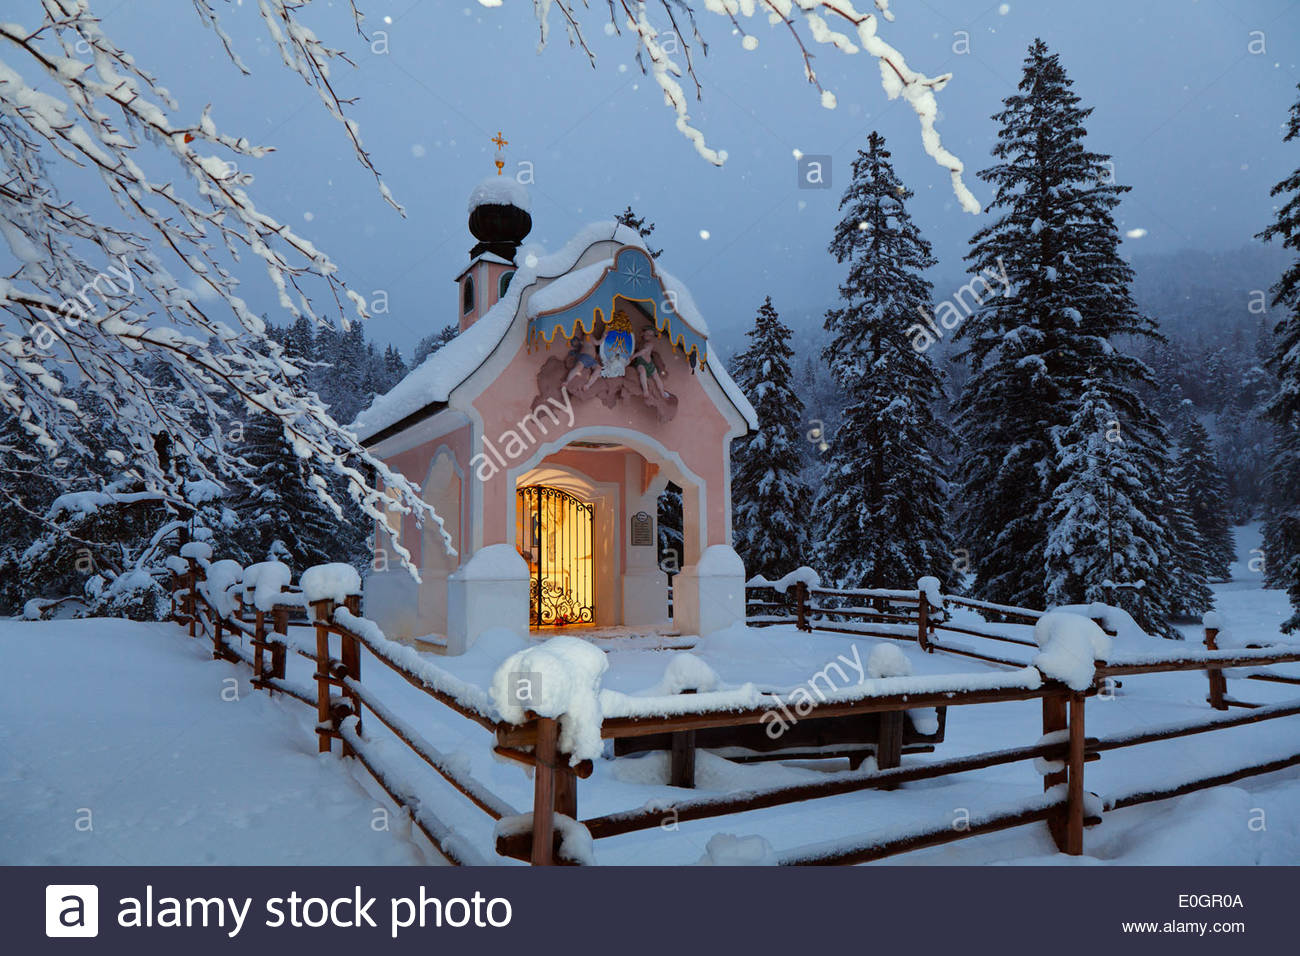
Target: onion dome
column 498, row 216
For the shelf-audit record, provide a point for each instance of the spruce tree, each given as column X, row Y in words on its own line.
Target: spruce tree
column 770, row 513
column 883, row 500
column 1092, row 546
column 300, row 339
column 280, row 516
column 1200, row 480
column 1186, row 578
column 1053, row 303
column 1282, row 529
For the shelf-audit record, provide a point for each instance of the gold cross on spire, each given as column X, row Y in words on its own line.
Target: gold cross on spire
column 502, row 143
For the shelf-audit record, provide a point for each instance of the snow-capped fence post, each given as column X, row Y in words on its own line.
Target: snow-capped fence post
column 323, row 611
column 801, row 606
column 1218, row 683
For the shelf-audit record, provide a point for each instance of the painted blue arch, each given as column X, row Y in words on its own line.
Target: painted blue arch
column 630, row 276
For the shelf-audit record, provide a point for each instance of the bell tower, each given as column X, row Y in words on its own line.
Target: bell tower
column 500, row 221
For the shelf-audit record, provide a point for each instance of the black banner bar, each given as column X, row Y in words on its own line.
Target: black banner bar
column 1050, row 910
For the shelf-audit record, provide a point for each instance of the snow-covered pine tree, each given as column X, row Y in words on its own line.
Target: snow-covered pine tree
column 671, row 549
column 280, row 516
column 1200, row 481
column 883, row 502
column 394, row 370
column 348, row 364
column 1052, row 299
column 300, row 339
column 28, row 485
column 770, row 503
column 1092, row 545
column 1185, row 579
column 1282, row 529
column 432, row 342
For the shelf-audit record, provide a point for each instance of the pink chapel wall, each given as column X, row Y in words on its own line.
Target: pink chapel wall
column 454, row 509
column 698, row 433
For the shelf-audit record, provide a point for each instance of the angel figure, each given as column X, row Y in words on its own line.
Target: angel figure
column 644, row 363
column 584, row 351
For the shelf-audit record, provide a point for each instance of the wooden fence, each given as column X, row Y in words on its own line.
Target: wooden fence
column 339, row 694
column 345, row 703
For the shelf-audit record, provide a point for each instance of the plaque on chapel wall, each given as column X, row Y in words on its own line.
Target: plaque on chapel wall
column 642, row 530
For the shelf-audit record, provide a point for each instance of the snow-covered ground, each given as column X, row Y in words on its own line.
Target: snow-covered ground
column 134, row 727
column 122, row 744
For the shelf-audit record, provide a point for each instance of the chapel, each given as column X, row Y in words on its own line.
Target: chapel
column 580, row 385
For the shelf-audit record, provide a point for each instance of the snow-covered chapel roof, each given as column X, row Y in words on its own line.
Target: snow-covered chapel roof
column 433, row 381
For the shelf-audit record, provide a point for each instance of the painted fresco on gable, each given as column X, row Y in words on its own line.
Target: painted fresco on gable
column 615, row 366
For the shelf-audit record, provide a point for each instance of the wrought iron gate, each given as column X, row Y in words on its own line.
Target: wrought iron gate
column 555, row 535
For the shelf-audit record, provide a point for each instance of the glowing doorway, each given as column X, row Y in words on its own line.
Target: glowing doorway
column 555, row 535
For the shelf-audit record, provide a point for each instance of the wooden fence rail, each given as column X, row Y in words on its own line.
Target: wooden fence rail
column 339, row 695
column 342, row 697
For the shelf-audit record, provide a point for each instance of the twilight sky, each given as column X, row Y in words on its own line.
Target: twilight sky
column 1192, row 117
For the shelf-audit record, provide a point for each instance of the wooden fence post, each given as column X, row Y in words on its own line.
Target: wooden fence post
column 566, row 790
column 1074, row 783
column 350, row 653
column 682, row 760
column 544, row 755
column 191, row 599
column 218, row 646
column 889, row 744
column 1054, row 721
column 801, row 606
column 1218, row 683
column 280, row 623
column 324, row 611
column 923, row 621
column 259, row 647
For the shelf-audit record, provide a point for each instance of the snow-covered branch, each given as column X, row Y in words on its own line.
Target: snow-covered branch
column 99, row 303
column 818, row 19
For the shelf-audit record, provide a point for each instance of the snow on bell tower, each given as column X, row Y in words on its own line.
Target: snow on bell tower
column 499, row 220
